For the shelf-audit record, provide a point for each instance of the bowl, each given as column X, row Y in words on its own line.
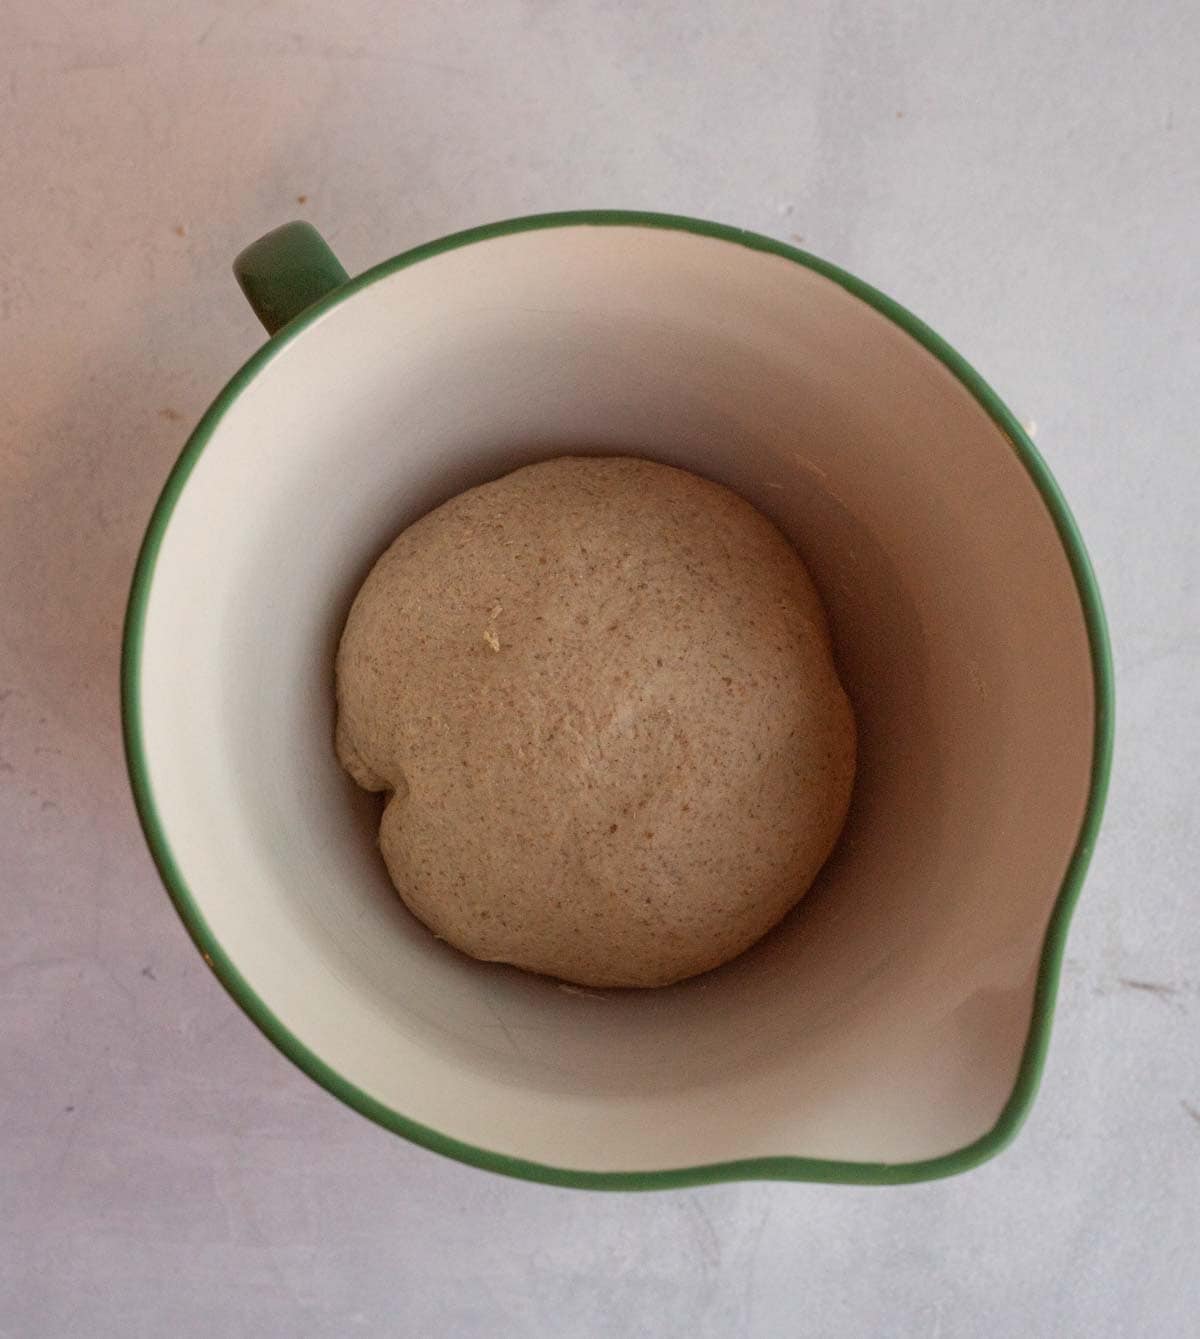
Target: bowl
column 894, row 1027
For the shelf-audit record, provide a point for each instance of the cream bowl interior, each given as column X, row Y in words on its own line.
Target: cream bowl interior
column 884, row 1021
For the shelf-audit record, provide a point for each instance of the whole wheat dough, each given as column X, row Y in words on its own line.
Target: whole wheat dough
column 601, row 696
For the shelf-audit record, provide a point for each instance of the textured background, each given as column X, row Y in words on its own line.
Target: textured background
column 1025, row 177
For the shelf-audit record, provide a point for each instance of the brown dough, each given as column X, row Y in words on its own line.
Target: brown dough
column 602, row 696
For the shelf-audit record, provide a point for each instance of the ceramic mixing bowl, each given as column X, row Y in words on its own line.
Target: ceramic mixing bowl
column 893, row 1028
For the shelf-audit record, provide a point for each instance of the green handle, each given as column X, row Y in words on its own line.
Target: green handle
column 286, row 271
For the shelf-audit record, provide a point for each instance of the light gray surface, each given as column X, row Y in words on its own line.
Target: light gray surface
column 1024, row 177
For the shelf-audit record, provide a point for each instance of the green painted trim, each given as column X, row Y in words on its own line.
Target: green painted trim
column 771, row 1168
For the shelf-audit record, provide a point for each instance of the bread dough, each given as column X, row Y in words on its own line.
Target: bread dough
column 600, row 694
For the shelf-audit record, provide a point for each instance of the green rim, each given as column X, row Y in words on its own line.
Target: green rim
column 773, row 1168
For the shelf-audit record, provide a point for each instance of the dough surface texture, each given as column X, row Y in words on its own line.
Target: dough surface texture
column 600, row 695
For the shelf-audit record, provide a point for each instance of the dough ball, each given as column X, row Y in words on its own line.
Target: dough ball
column 600, row 696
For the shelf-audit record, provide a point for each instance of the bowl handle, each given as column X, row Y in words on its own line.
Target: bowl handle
column 286, row 271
